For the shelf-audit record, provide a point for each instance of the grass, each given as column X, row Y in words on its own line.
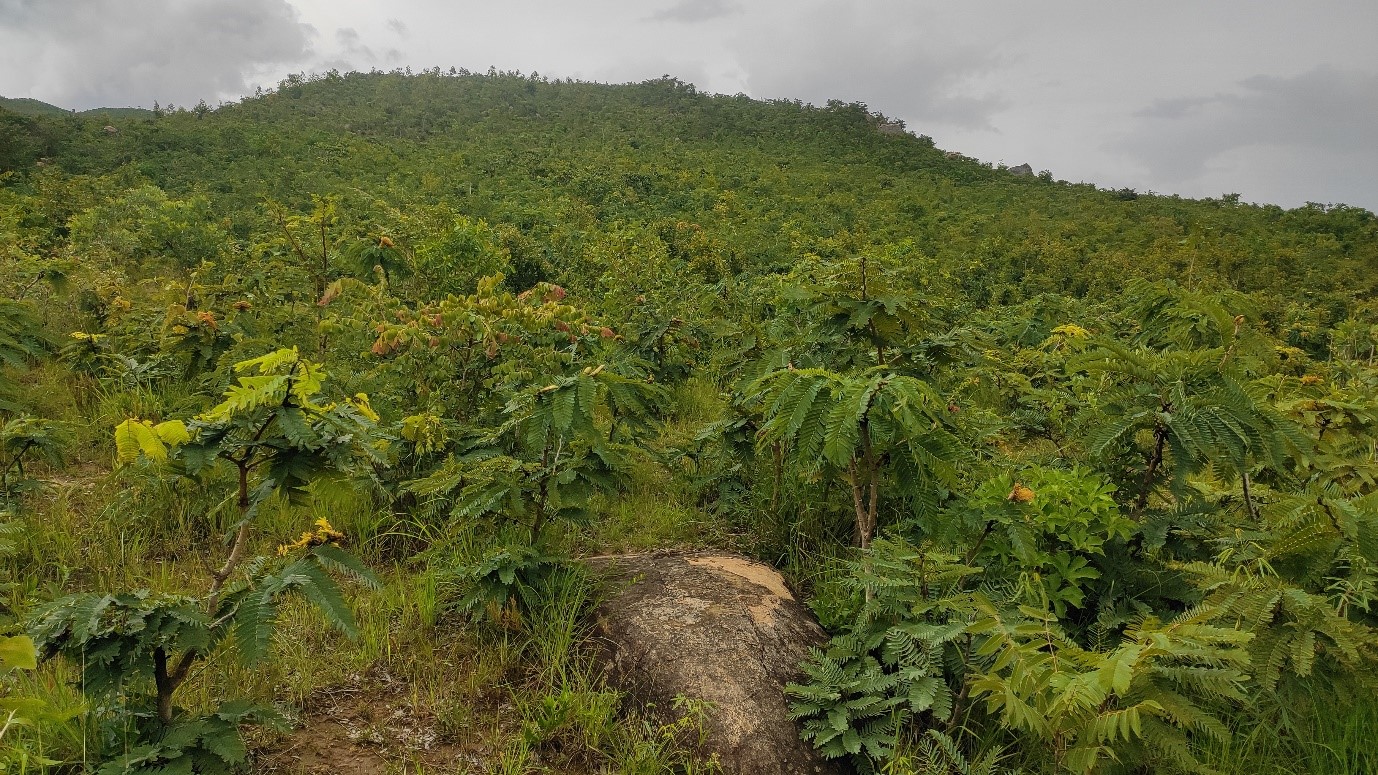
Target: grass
column 1322, row 733
column 657, row 508
column 519, row 698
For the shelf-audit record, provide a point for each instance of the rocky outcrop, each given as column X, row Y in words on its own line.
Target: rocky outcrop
column 717, row 628
column 1022, row 170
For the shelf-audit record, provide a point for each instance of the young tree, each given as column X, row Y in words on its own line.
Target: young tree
column 275, row 433
column 874, row 430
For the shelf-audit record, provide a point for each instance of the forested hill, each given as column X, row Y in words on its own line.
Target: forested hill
column 760, row 183
column 1078, row 481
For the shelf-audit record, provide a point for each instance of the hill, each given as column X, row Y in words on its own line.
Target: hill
column 325, row 404
column 31, row 107
column 508, row 146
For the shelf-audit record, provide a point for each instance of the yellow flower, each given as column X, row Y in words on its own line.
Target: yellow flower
column 324, row 533
column 300, row 543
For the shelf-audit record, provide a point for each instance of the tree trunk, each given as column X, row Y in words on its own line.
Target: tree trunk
column 1154, row 460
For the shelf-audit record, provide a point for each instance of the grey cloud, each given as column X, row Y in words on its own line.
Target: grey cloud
column 352, row 45
column 1174, row 108
column 89, row 53
column 397, row 26
column 696, row 11
column 1323, row 111
column 903, row 67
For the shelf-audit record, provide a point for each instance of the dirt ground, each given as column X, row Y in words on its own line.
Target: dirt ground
column 371, row 726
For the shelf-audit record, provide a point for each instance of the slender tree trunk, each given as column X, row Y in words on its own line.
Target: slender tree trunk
column 538, row 519
column 239, row 546
column 980, row 541
column 858, row 505
column 16, row 463
column 777, row 453
column 1248, row 496
column 871, row 508
column 865, row 500
column 164, row 684
column 1155, row 459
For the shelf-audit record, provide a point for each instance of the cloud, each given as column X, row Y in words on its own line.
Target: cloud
column 892, row 60
column 352, row 45
column 92, row 53
column 1321, row 112
column 696, row 11
column 398, row 27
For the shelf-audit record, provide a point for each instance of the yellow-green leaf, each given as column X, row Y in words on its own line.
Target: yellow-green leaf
column 17, row 653
column 173, row 433
column 135, row 437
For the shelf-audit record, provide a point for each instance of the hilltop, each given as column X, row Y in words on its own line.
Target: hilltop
column 28, row 106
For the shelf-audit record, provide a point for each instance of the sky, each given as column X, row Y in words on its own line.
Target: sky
column 1275, row 100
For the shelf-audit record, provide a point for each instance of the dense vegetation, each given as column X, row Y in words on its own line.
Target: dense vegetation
column 331, row 388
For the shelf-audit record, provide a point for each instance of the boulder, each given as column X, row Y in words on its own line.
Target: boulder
column 717, row 628
column 1021, row 170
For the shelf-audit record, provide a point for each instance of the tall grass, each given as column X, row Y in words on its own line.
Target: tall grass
column 1323, row 732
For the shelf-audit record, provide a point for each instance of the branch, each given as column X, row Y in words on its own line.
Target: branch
column 976, row 549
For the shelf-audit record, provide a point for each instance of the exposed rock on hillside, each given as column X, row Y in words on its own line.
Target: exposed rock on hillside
column 718, row 628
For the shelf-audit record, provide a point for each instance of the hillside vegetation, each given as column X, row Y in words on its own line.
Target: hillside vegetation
column 321, row 395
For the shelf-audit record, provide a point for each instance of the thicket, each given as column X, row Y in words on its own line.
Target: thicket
column 1079, row 482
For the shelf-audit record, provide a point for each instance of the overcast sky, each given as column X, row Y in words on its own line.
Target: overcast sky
column 1276, row 100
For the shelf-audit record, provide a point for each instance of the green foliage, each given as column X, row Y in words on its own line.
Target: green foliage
column 891, row 662
column 868, row 429
column 1141, row 701
column 274, row 422
column 1148, row 421
column 504, row 576
column 1195, row 410
column 18, row 712
column 547, row 459
column 209, row 744
column 26, row 438
column 124, row 640
column 22, row 340
column 1048, row 527
column 251, row 607
column 453, row 263
column 277, row 433
column 920, row 645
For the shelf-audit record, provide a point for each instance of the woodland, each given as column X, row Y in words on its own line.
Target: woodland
column 311, row 404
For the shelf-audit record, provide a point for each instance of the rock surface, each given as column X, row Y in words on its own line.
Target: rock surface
column 1022, row 170
column 718, row 628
